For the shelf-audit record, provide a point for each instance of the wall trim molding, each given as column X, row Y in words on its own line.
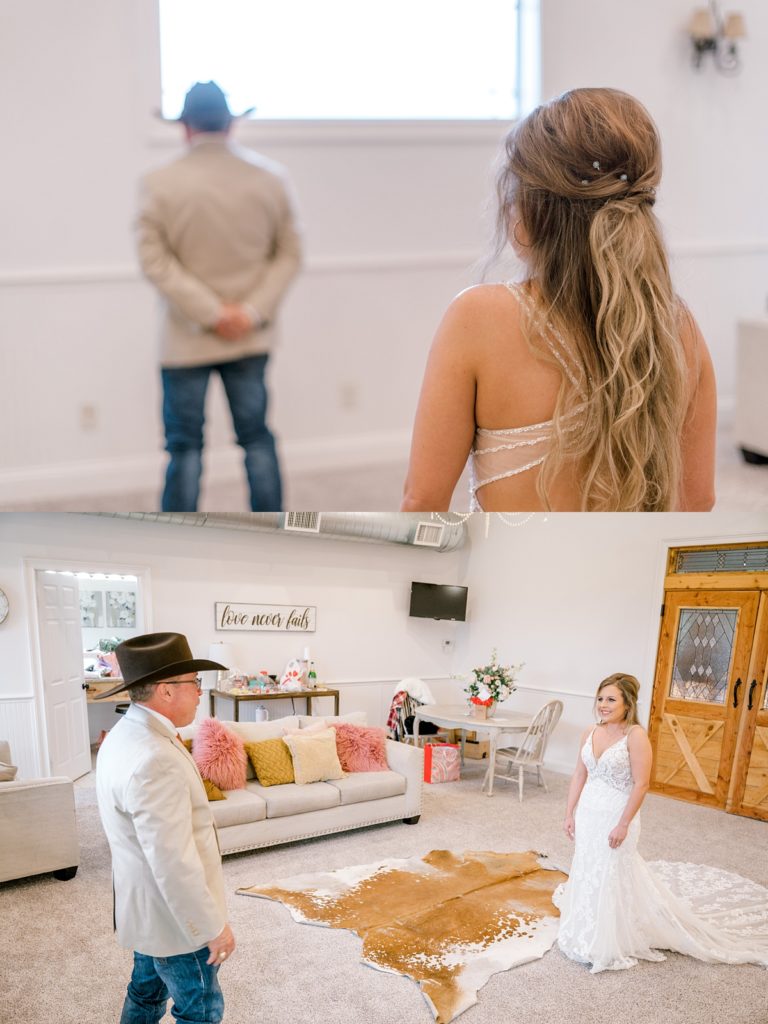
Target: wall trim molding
column 68, row 480
column 257, row 133
column 347, row 263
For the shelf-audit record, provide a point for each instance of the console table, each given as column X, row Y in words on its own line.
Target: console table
column 306, row 695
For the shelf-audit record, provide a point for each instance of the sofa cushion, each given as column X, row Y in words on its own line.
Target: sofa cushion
column 219, row 754
column 283, row 801
column 362, row 786
column 241, row 807
column 212, row 791
column 361, row 748
column 357, row 717
column 7, row 772
column 314, row 757
column 318, row 724
column 253, row 732
column 272, row 762
column 250, row 732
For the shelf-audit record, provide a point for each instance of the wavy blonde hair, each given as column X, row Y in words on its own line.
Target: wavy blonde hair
column 580, row 176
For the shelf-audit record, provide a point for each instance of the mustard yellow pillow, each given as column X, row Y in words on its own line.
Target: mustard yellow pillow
column 314, row 757
column 212, row 791
column 271, row 760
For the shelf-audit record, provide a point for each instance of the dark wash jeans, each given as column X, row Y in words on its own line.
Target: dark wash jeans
column 187, row 979
column 184, row 389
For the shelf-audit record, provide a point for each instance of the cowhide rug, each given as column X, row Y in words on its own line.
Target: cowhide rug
column 447, row 920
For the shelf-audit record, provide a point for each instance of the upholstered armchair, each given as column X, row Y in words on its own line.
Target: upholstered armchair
column 37, row 826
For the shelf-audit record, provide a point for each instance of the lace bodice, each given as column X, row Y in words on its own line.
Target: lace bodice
column 612, row 767
column 498, row 454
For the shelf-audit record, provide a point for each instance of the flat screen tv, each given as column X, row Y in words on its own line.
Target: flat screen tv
column 438, row 601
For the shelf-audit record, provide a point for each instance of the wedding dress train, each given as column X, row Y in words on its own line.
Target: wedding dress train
column 617, row 908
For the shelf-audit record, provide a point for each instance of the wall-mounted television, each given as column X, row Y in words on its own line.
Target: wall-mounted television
column 438, row 601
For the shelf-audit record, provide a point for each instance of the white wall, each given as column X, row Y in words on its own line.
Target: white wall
column 575, row 597
column 393, row 219
column 578, row 597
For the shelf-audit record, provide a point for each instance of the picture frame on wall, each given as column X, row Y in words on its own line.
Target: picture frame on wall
column 121, row 609
column 91, row 609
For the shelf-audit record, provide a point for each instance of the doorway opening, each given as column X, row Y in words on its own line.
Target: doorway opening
column 82, row 613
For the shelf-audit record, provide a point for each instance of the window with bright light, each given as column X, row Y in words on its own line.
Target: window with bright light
column 350, row 59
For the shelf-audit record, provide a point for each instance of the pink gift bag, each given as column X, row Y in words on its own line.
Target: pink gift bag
column 441, row 762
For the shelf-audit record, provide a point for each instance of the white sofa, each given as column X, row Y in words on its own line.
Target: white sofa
column 259, row 816
column 38, row 832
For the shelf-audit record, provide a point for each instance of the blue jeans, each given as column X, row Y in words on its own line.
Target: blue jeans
column 187, row 979
column 184, row 415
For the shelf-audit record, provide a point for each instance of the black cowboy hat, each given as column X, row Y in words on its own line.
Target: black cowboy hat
column 206, row 109
column 153, row 657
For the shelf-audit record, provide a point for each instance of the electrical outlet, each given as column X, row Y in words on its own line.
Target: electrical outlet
column 89, row 416
column 447, row 645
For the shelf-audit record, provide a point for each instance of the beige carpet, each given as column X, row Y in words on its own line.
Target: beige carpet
column 447, row 920
column 60, row 963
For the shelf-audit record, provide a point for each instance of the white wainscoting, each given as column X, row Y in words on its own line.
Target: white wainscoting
column 18, row 725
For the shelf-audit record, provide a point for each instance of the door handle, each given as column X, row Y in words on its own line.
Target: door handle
column 752, row 686
column 736, row 693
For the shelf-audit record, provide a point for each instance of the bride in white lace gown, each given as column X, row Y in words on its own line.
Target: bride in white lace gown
column 617, row 908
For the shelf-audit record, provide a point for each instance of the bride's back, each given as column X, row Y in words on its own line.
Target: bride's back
column 576, row 390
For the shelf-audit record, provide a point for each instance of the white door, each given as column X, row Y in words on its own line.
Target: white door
column 61, row 657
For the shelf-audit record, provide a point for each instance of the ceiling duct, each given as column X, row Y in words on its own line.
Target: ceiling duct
column 409, row 528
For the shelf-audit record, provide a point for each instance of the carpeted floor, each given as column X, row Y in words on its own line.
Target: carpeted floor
column 60, row 963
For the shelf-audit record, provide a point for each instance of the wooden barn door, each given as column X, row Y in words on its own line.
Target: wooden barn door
column 700, row 691
column 749, row 788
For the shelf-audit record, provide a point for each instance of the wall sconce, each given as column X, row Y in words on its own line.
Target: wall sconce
column 713, row 33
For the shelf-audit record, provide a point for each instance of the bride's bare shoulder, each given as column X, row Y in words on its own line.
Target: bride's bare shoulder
column 487, row 310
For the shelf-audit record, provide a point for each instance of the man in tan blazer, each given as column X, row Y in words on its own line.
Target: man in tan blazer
column 169, row 904
column 217, row 237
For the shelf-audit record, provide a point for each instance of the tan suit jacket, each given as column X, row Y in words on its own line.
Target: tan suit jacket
column 215, row 226
column 166, row 865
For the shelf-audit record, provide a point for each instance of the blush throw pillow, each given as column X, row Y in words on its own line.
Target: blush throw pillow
column 361, row 748
column 272, row 762
column 219, row 754
column 314, row 757
column 212, row 791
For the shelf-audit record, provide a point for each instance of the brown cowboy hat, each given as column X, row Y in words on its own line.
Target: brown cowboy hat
column 155, row 656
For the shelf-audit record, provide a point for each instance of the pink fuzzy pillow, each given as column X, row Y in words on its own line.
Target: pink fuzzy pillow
column 361, row 748
column 219, row 754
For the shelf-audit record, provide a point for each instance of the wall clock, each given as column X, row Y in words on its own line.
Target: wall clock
column 4, row 608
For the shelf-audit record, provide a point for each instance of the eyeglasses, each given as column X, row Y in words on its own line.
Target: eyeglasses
column 196, row 682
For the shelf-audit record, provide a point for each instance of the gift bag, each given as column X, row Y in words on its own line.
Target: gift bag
column 441, row 762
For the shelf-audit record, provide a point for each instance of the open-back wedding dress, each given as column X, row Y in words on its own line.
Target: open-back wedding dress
column 615, row 908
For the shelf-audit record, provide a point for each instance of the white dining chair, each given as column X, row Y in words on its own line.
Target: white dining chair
column 529, row 752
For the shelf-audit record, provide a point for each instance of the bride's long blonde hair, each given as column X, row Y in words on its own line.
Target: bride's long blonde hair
column 580, row 177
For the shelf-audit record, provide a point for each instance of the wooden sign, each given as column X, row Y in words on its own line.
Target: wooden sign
column 282, row 618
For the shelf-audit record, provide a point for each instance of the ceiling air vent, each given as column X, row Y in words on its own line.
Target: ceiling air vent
column 302, row 522
column 429, row 535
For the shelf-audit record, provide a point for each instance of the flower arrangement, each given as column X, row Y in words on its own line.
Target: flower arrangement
column 492, row 682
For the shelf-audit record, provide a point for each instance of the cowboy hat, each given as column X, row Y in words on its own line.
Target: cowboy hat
column 152, row 657
column 206, row 109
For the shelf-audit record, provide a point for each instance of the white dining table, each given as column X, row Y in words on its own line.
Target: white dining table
column 458, row 716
